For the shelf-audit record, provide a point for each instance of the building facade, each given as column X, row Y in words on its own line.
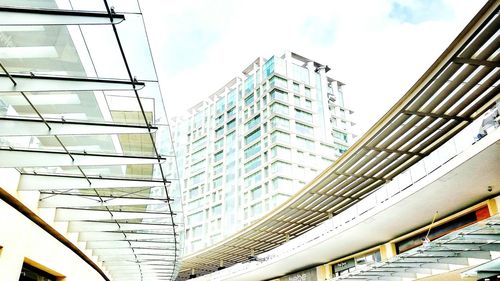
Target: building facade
column 257, row 141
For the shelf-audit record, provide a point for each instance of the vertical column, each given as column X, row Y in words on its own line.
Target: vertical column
column 324, row 272
column 493, row 205
column 388, row 250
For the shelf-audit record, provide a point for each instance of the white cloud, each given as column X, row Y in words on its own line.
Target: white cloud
column 379, row 58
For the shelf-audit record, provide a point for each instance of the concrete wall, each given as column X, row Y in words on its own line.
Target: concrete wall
column 22, row 240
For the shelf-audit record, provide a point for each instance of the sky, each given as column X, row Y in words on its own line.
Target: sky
column 378, row 48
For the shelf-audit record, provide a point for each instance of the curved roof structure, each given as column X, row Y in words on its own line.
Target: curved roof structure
column 456, row 89
column 83, row 122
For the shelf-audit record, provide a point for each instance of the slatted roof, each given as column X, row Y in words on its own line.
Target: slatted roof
column 456, row 89
column 83, row 122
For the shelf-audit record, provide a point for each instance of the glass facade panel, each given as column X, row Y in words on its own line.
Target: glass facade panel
column 304, row 116
column 305, row 144
column 252, row 123
column 252, row 150
column 279, row 108
column 249, row 100
column 281, row 123
column 249, row 84
column 252, row 136
column 304, row 129
column 300, row 73
column 269, row 67
column 279, row 136
column 278, row 82
column 253, row 164
column 279, row 95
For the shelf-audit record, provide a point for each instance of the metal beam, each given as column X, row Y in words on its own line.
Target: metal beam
column 130, row 244
column 56, row 182
column 395, row 151
column 45, row 83
column 433, row 115
column 74, row 214
column 113, row 236
column 20, row 126
column 76, row 226
column 359, row 176
column 17, row 158
column 68, row 200
column 128, row 251
column 476, row 62
column 33, row 16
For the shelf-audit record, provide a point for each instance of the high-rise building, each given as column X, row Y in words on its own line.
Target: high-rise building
column 256, row 141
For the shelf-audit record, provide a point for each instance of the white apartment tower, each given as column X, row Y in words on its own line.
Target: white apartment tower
column 255, row 142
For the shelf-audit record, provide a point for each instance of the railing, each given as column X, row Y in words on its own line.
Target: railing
column 458, row 144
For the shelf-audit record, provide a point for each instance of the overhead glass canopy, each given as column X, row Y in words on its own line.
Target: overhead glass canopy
column 83, row 121
column 460, row 249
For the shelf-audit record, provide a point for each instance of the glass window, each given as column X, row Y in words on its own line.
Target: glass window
column 219, row 120
column 218, row 182
column 231, row 124
column 281, row 184
column 219, row 144
column 218, row 156
column 308, row 104
column 281, row 167
column 197, row 179
column 305, row 143
column 252, row 123
column 279, row 122
column 231, row 113
column 219, row 105
column 296, row 87
column 300, row 73
column 231, row 98
column 281, row 152
column 249, row 84
column 29, row 273
column 279, row 108
column 339, row 135
column 253, row 179
column 194, row 192
column 307, row 92
column 198, row 155
column 198, row 119
column 219, row 132
column 218, row 169
column 269, row 67
column 198, row 166
column 256, row 209
column 200, row 142
column 278, row 136
column 297, row 100
column 253, row 164
column 278, row 82
column 252, row 150
column 217, row 210
column 256, row 193
column 304, row 129
column 304, row 116
column 279, row 95
column 249, row 100
column 252, row 136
